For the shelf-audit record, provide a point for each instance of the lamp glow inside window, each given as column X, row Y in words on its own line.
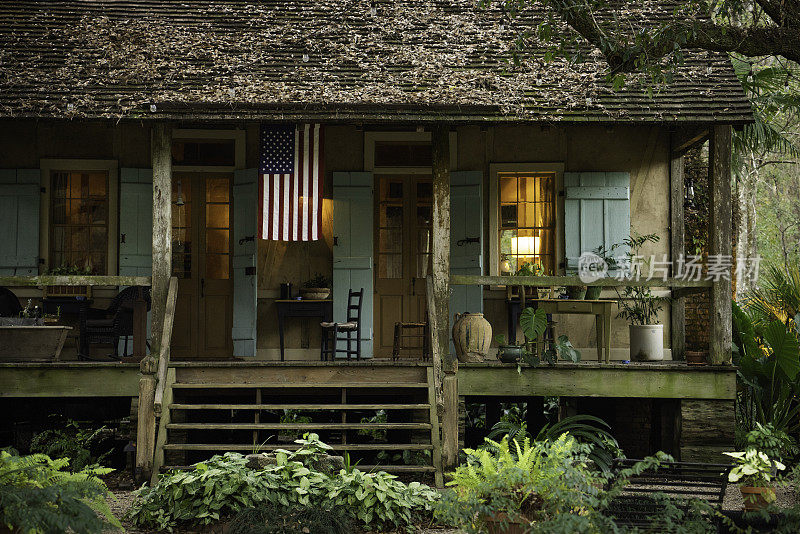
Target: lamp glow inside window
column 527, row 222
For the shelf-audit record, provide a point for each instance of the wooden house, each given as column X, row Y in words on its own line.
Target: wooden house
column 130, row 144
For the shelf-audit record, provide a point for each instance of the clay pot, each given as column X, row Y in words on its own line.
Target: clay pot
column 756, row 498
column 593, row 292
column 647, row 342
column 696, row 357
column 576, row 292
column 472, row 335
column 509, row 353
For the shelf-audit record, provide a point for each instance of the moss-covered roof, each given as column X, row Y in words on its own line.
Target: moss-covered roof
column 400, row 60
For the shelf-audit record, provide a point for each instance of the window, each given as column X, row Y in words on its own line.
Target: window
column 79, row 229
column 525, row 224
column 527, row 220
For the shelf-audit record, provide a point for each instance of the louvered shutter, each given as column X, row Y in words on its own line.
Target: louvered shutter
column 596, row 212
column 19, row 219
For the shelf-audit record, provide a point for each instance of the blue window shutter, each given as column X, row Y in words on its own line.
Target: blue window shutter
column 466, row 221
column 136, row 222
column 352, row 250
column 596, row 212
column 245, row 290
column 19, row 219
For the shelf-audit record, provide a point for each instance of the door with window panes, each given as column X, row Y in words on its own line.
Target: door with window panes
column 201, row 260
column 402, row 254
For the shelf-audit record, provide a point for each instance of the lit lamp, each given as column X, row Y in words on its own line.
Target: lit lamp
column 525, row 246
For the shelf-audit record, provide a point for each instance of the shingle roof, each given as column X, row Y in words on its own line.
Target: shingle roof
column 321, row 59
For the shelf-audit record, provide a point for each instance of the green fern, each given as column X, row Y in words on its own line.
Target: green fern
column 38, row 495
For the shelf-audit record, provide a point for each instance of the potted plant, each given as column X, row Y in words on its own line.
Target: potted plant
column 68, row 291
column 317, row 288
column 533, row 269
column 507, row 353
column 640, row 307
column 754, row 471
column 576, row 292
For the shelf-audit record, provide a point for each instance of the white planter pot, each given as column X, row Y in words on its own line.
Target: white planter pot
column 647, row 342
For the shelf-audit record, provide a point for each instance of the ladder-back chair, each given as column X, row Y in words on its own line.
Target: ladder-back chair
column 351, row 330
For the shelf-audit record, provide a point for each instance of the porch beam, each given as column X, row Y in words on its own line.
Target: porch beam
column 720, row 230
column 677, row 239
column 684, row 140
column 73, row 280
column 552, row 281
column 439, row 312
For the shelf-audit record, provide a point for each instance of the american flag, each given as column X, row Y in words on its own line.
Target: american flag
column 290, row 183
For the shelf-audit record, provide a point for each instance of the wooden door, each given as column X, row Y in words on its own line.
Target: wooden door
column 403, row 254
column 201, row 259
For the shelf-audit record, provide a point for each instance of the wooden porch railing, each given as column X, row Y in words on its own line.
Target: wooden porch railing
column 153, row 385
column 163, row 348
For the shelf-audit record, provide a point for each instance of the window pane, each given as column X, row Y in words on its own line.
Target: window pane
column 217, row 266
column 391, row 216
column 390, row 265
column 97, row 184
column 424, row 215
column 217, row 241
column 424, row 190
column 217, row 190
column 390, row 240
column 217, row 215
column 508, row 188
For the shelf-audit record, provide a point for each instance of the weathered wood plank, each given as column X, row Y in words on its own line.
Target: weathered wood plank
column 296, row 376
column 293, row 447
column 436, row 442
column 300, row 407
column 164, row 346
column 299, row 385
column 163, row 421
column 720, row 229
column 677, row 248
column 73, row 280
column 440, row 269
column 145, row 429
column 598, row 382
column 450, row 420
column 463, row 279
column 299, row 426
column 48, row 380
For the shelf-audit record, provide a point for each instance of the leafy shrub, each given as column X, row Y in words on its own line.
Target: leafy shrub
column 273, row 519
column 526, row 481
column 224, row 485
column 38, row 495
column 81, row 445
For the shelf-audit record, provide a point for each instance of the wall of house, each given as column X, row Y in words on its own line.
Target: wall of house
column 641, row 151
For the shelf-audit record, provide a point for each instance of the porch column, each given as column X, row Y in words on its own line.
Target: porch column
column 720, row 242
column 444, row 362
column 161, row 159
column 677, row 248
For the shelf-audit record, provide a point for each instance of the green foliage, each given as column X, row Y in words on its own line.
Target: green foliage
column 637, row 304
column 73, row 442
column 526, row 481
column 777, row 298
column 273, row 519
column 773, row 442
column 68, row 269
column 379, row 499
column 530, row 269
column 376, row 434
column 39, row 496
column 753, row 468
column 224, row 485
column 534, row 324
column 292, row 416
column 769, row 364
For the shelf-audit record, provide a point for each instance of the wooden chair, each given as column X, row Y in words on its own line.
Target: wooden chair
column 9, row 303
column 351, row 328
column 116, row 321
column 411, row 337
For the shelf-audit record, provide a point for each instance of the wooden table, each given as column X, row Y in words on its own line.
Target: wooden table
column 601, row 309
column 302, row 308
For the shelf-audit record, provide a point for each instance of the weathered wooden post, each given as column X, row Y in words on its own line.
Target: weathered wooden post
column 720, row 245
column 440, row 288
column 161, row 159
column 677, row 248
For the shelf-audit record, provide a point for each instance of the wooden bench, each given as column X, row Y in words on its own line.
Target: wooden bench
column 680, row 481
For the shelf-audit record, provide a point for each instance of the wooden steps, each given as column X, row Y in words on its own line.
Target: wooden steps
column 390, row 425
column 301, row 385
column 226, row 447
column 300, row 407
column 310, row 427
